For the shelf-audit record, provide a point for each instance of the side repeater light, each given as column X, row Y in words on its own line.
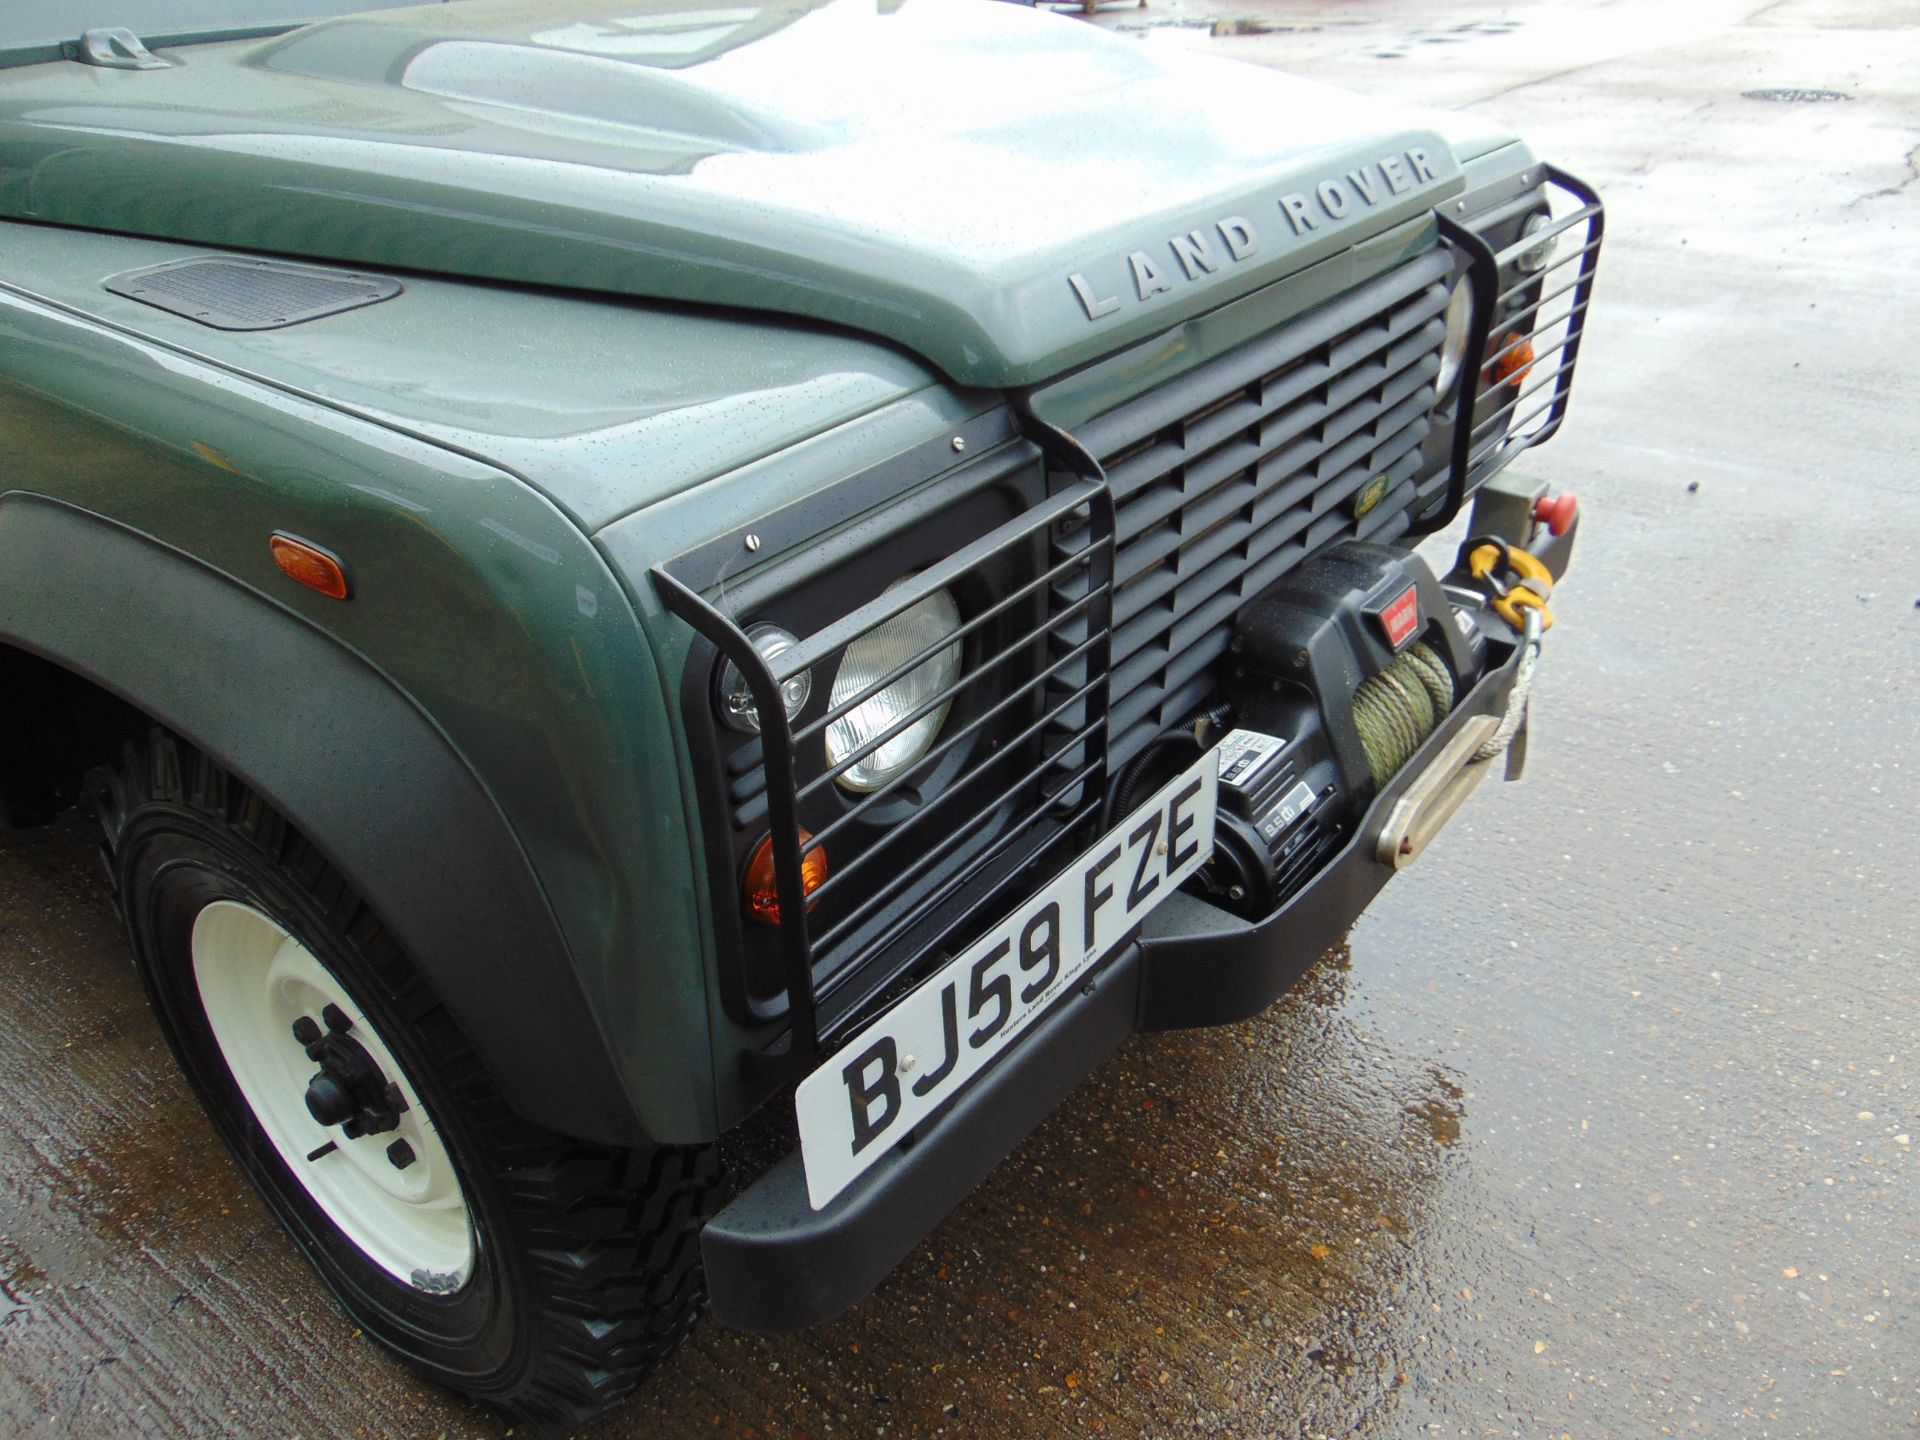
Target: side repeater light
column 763, row 889
column 307, row 564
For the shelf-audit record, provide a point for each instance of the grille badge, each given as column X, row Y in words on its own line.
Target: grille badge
column 1371, row 494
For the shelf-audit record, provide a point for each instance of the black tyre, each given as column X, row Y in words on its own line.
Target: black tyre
column 537, row 1273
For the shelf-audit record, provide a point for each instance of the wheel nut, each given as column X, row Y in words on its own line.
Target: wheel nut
column 401, row 1154
column 306, row 1030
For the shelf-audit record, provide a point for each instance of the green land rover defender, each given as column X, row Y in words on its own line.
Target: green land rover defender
column 612, row 567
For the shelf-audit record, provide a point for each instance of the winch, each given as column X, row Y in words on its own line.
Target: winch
column 1339, row 674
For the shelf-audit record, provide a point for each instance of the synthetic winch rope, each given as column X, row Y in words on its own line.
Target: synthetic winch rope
column 1517, row 697
column 1396, row 710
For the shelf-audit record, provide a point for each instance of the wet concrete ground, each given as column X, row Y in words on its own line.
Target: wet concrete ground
column 1604, row 1125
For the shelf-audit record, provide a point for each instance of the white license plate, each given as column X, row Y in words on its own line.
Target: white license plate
column 924, row 1050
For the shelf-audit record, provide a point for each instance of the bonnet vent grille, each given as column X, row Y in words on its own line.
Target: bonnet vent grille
column 229, row 293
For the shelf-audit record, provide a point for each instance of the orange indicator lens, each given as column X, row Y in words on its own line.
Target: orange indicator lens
column 1513, row 357
column 763, row 890
column 310, row 566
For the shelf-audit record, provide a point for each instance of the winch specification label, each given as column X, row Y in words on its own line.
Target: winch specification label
column 1243, row 753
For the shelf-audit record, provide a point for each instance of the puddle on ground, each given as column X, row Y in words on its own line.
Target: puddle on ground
column 1439, row 1117
column 1325, row 984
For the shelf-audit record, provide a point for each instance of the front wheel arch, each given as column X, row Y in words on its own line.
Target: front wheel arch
column 363, row 772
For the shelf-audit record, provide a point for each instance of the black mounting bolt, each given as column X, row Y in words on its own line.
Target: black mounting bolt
column 401, row 1154
column 306, row 1030
column 336, row 1019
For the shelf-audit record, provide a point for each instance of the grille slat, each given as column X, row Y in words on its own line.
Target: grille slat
column 1223, row 555
column 1196, row 498
column 1329, row 421
column 1235, row 417
column 1236, row 472
column 1269, row 355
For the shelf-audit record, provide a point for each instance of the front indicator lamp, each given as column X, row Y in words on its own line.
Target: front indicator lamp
column 875, row 654
column 1512, row 359
column 762, row 886
column 1453, row 346
column 737, row 707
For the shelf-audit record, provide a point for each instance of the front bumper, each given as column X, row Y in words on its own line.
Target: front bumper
column 774, row 1263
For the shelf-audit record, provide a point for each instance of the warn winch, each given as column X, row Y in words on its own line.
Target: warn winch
column 1339, row 673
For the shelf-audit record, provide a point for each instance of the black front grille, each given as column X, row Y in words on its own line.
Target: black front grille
column 1227, row 477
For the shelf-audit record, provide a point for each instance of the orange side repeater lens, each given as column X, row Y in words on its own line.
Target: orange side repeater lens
column 309, row 565
column 763, row 890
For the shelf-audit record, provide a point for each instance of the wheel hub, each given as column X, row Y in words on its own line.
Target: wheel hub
column 350, row 1089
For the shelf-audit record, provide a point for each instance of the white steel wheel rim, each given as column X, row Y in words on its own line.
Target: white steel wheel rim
column 255, row 980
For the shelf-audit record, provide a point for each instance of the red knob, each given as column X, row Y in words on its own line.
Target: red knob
column 1557, row 512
